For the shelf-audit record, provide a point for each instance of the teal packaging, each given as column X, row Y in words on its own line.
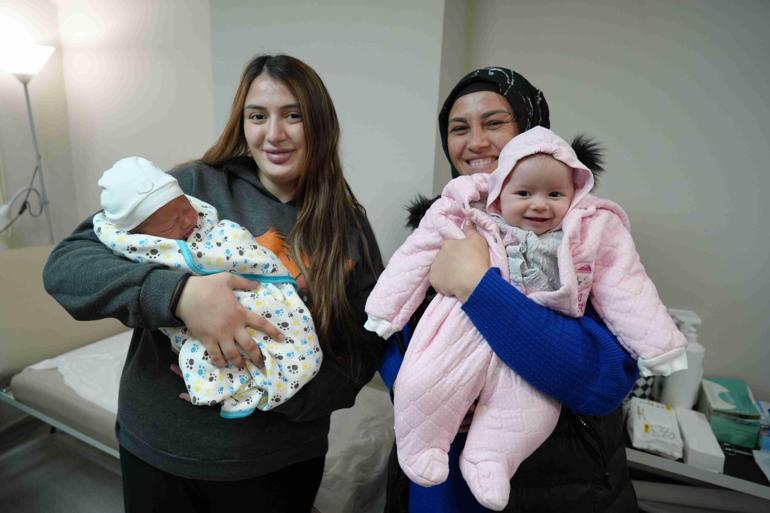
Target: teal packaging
column 731, row 410
column 764, row 421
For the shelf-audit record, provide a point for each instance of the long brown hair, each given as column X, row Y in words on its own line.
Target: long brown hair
column 329, row 216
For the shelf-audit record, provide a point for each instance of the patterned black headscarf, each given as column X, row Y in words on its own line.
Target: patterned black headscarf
column 528, row 103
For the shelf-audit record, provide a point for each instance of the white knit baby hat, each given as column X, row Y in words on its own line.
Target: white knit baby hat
column 133, row 189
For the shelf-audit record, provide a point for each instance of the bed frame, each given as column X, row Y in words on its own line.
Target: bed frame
column 34, row 327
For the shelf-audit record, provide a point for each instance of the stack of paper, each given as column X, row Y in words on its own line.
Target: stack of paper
column 653, row 427
column 701, row 448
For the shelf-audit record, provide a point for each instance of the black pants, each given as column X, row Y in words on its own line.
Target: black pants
column 147, row 489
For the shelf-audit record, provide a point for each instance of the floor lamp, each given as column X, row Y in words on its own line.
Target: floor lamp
column 24, row 62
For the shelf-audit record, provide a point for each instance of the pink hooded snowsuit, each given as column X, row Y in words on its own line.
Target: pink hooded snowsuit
column 448, row 364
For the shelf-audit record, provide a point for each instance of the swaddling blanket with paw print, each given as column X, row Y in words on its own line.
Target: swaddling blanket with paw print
column 223, row 246
column 448, row 364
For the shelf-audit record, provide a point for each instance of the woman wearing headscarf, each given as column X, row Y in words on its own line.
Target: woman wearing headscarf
column 582, row 465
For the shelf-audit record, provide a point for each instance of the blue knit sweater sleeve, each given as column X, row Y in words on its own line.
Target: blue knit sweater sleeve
column 391, row 361
column 579, row 362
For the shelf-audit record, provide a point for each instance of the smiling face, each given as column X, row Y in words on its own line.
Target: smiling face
column 272, row 125
column 174, row 220
column 537, row 194
column 480, row 124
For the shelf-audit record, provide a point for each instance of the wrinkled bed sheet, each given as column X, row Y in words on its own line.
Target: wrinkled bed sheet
column 93, row 371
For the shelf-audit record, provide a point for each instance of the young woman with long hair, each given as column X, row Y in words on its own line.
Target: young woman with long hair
column 275, row 170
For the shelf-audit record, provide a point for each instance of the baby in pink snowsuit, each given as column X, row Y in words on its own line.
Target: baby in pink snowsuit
column 556, row 243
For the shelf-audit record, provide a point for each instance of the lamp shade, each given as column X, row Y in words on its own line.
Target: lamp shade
column 24, row 60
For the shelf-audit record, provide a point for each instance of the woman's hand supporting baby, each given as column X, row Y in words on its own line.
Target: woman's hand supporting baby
column 212, row 313
column 460, row 265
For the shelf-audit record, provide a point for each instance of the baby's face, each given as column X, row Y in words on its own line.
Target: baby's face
column 174, row 220
column 537, row 194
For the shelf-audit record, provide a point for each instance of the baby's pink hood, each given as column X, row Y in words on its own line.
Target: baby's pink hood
column 538, row 140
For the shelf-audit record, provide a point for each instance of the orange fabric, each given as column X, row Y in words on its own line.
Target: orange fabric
column 275, row 242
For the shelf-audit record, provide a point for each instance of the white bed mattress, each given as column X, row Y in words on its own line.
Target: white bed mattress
column 93, row 371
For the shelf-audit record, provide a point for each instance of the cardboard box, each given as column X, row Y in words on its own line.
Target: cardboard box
column 701, row 448
column 731, row 410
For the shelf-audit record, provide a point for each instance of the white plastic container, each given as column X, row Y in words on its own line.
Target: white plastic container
column 680, row 389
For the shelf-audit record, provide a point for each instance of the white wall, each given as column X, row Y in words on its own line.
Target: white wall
column 380, row 62
column 34, row 22
column 138, row 82
column 678, row 92
column 454, row 64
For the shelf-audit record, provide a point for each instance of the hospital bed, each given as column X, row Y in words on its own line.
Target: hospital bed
column 66, row 373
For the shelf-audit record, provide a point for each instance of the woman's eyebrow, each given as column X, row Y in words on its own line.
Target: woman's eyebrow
column 483, row 116
column 261, row 107
column 494, row 112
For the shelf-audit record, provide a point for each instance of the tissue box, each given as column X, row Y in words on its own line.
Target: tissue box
column 701, row 448
column 731, row 410
column 653, row 427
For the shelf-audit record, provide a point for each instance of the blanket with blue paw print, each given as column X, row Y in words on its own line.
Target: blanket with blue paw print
column 223, row 246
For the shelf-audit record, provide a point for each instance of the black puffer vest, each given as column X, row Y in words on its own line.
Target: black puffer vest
column 580, row 468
